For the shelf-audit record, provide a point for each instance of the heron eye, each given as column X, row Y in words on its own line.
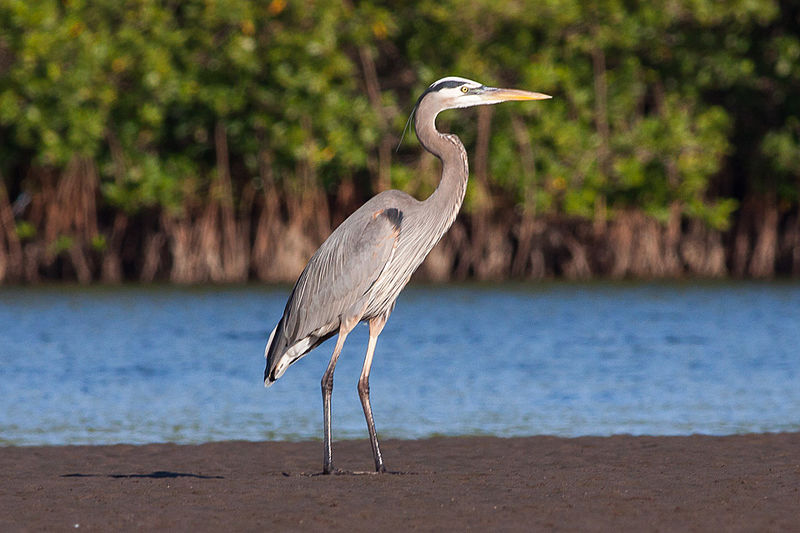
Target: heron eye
column 464, row 89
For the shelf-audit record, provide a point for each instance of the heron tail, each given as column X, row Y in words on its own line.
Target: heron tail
column 276, row 346
column 282, row 353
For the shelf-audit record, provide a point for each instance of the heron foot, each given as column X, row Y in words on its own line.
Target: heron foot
column 340, row 472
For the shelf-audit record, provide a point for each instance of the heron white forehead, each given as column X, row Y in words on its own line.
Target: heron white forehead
column 465, row 81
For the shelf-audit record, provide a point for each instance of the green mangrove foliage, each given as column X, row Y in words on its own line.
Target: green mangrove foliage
column 239, row 117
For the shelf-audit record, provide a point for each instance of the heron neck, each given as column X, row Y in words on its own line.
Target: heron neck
column 445, row 202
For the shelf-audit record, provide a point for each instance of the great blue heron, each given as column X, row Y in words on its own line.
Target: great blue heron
column 358, row 272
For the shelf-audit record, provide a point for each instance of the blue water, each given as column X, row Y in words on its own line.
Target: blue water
column 152, row 364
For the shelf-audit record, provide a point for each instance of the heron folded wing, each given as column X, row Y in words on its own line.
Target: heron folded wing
column 339, row 275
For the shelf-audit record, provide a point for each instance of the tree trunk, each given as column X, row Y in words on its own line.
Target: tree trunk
column 11, row 257
column 603, row 132
column 383, row 180
column 762, row 264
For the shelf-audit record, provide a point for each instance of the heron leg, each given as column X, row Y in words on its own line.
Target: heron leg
column 327, row 390
column 375, row 328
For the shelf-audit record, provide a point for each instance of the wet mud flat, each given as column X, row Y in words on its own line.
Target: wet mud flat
column 702, row 483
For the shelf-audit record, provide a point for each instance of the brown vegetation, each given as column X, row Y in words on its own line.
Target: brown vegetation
column 271, row 234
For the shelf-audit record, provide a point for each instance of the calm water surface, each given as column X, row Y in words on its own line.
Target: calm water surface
column 150, row 364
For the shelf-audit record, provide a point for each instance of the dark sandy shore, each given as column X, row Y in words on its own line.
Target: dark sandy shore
column 698, row 483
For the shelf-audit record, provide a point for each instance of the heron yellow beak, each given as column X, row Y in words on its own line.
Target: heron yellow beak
column 505, row 95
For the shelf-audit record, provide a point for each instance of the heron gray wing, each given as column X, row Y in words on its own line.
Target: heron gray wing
column 339, row 276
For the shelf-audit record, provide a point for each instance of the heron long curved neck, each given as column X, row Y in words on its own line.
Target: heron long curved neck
column 446, row 200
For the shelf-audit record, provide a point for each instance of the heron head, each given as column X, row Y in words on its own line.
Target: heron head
column 454, row 92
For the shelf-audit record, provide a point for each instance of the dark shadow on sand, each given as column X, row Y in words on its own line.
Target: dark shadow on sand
column 152, row 475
